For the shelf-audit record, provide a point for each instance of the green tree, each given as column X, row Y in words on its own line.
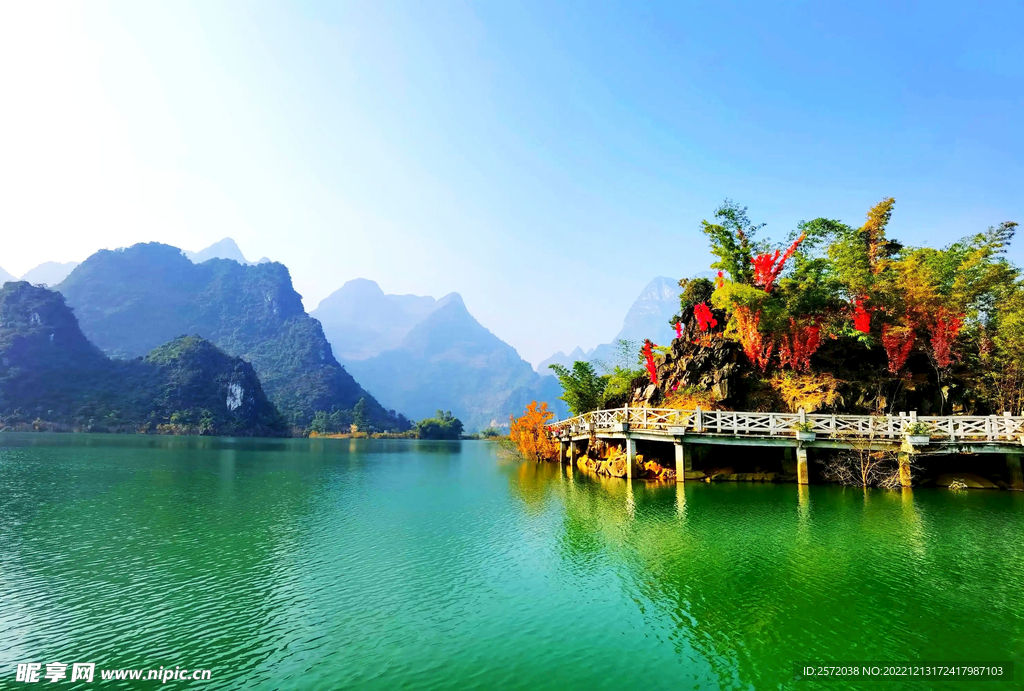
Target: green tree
column 695, row 290
column 360, row 416
column 732, row 240
column 443, row 425
column 582, row 388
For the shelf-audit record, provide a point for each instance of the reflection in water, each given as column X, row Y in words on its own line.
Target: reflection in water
column 329, row 564
column 743, row 590
column 681, row 501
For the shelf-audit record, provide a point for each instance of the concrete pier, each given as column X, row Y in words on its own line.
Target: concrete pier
column 682, row 461
column 802, row 476
column 630, row 456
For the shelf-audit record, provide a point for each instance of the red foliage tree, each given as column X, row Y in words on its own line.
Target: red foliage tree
column 679, row 329
column 705, row 319
column 769, row 265
column 897, row 343
column 720, row 279
column 861, row 316
column 944, row 328
column 648, row 352
column 796, row 349
column 758, row 349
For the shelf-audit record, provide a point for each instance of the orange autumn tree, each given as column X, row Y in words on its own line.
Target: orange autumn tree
column 530, row 433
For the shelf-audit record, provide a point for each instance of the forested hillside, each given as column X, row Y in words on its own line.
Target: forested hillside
column 52, row 377
column 131, row 300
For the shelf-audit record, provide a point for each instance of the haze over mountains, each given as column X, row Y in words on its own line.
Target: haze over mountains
column 414, row 353
column 407, row 353
column 418, row 354
column 222, row 249
column 47, row 273
column 648, row 317
column 52, row 273
column 360, row 321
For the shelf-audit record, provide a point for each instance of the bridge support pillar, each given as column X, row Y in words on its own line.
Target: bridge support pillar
column 683, row 462
column 1016, row 478
column 563, row 447
column 574, row 451
column 630, row 456
column 904, row 460
column 801, row 465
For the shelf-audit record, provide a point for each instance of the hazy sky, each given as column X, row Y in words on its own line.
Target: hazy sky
column 545, row 160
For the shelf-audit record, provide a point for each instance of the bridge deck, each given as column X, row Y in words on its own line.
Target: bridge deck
column 975, row 432
column 906, row 433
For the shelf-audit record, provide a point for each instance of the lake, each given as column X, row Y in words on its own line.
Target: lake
column 344, row 564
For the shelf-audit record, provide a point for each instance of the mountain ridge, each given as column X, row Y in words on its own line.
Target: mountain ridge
column 225, row 248
column 49, row 273
column 52, row 377
column 439, row 356
column 360, row 320
column 130, row 300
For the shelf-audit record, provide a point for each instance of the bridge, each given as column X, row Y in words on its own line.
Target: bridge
column 906, row 433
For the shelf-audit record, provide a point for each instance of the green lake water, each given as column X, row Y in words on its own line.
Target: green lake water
column 337, row 564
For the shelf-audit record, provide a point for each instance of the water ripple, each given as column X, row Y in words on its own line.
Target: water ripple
column 328, row 564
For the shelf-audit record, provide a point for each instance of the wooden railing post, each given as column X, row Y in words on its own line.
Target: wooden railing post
column 698, row 421
column 1007, row 425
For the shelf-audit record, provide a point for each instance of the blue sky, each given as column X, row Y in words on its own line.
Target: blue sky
column 545, row 160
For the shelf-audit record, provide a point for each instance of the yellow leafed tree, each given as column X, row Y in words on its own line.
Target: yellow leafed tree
column 530, row 434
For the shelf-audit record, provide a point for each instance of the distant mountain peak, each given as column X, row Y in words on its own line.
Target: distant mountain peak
column 647, row 317
column 451, row 298
column 49, row 273
column 5, row 277
column 360, row 286
column 222, row 249
column 360, row 320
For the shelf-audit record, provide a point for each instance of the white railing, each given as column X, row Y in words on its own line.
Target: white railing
column 949, row 428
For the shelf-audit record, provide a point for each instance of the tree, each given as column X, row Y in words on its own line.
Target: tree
column 443, row 425
column 622, row 373
column 732, row 241
column 530, row 435
column 360, row 416
column 583, row 389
